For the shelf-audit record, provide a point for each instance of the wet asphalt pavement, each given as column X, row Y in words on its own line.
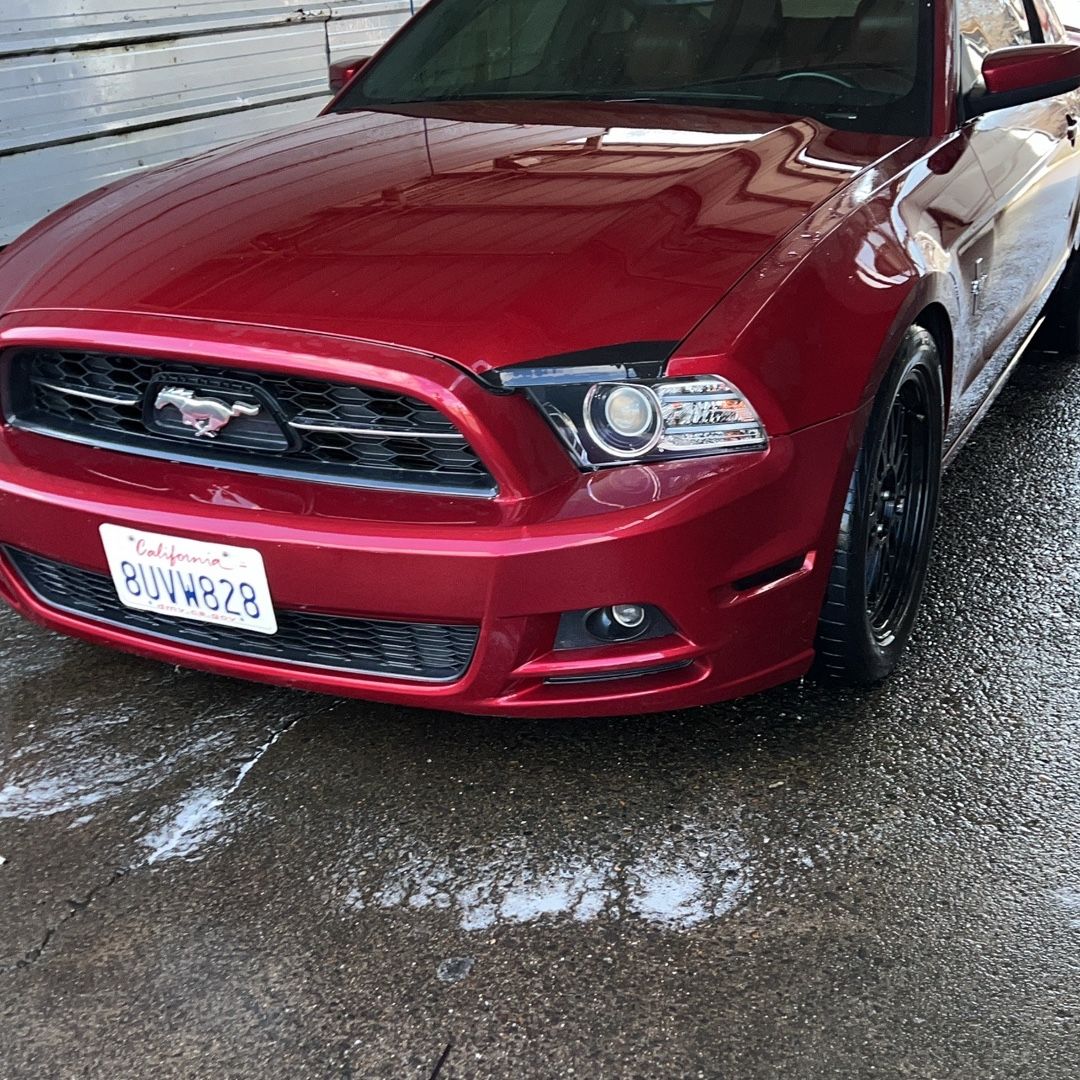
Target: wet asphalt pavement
column 208, row 878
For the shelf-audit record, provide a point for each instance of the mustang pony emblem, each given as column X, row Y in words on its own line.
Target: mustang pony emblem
column 206, row 415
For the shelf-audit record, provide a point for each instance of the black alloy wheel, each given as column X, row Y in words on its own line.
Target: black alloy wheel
column 886, row 535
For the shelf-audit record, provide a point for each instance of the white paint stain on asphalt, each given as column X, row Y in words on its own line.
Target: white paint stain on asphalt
column 665, row 887
column 199, row 818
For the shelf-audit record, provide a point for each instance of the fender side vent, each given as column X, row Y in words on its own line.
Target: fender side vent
column 772, row 575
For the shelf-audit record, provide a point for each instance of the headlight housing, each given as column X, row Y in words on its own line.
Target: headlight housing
column 634, row 420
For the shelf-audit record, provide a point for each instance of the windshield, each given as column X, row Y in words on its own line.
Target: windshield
column 851, row 63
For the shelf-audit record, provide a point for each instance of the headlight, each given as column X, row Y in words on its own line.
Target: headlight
column 606, row 423
column 623, row 420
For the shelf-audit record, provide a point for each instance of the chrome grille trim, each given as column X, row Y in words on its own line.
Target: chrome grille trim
column 120, row 402
column 367, row 433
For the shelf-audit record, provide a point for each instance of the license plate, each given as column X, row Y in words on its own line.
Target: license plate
column 189, row 579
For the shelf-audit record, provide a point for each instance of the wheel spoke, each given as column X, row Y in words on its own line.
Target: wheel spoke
column 897, row 510
column 896, row 446
column 888, row 448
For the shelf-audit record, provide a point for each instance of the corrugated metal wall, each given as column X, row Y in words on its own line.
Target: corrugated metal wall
column 91, row 90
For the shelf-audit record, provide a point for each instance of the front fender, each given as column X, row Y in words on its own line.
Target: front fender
column 809, row 334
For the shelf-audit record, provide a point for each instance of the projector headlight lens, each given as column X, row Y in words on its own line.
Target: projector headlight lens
column 623, row 419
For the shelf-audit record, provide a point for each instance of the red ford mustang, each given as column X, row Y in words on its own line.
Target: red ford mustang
column 585, row 356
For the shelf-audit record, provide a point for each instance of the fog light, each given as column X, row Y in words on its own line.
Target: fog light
column 616, row 624
column 620, row 622
column 629, row 616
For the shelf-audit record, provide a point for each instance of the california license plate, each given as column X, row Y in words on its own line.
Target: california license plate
column 189, row 579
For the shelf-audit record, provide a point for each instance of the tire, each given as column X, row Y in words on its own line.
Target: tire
column 886, row 534
column 1061, row 334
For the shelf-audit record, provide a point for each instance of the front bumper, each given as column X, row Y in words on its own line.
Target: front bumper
column 697, row 539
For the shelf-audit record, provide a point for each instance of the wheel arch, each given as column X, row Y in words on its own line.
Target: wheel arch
column 933, row 305
column 934, row 318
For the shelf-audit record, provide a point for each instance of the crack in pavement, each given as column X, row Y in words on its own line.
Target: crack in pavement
column 442, row 1060
column 75, row 906
column 32, row 955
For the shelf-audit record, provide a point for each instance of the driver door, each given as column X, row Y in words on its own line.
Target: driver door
column 1029, row 156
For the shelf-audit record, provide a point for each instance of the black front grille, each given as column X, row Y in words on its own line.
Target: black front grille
column 418, row 651
column 284, row 425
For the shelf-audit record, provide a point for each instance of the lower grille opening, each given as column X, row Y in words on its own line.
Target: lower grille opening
column 425, row 652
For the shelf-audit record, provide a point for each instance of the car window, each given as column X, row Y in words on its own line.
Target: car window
column 855, row 63
column 986, row 25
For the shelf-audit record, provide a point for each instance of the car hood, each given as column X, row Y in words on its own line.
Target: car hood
column 489, row 233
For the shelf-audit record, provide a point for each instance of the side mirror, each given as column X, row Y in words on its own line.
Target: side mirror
column 344, row 71
column 1025, row 73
